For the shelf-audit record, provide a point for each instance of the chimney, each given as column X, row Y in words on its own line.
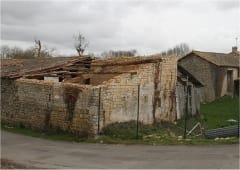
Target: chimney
column 235, row 50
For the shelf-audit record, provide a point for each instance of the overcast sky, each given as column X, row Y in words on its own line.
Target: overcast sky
column 149, row 26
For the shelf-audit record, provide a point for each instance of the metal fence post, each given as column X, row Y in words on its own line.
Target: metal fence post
column 99, row 109
column 138, row 104
column 186, row 111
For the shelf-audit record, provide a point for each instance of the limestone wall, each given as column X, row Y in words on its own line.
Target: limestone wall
column 205, row 72
column 119, row 95
column 45, row 105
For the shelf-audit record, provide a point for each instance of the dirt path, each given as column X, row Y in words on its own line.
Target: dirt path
column 34, row 152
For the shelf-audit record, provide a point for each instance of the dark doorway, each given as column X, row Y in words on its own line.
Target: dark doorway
column 87, row 81
column 229, row 81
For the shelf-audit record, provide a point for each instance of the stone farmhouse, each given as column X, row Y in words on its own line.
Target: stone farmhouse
column 219, row 72
column 81, row 95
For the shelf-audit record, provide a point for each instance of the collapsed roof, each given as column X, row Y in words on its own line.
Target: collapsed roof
column 16, row 68
column 79, row 68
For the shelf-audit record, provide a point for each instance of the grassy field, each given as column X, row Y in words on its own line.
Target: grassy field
column 213, row 115
column 217, row 113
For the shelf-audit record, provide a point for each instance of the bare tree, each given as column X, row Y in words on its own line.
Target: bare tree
column 47, row 52
column 5, row 51
column 29, row 53
column 111, row 53
column 80, row 44
column 12, row 52
column 180, row 50
column 38, row 47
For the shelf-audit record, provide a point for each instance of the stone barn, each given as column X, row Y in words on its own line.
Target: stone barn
column 82, row 94
column 217, row 71
column 187, row 86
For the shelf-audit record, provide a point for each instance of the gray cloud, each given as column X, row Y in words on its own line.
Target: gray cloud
column 149, row 26
column 227, row 4
column 21, row 12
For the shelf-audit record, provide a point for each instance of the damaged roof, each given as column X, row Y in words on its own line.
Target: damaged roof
column 219, row 59
column 14, row 68
column 111, row 61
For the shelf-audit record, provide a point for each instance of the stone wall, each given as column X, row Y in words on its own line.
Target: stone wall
column 24, row 104
column 44, row 105
column 203, row 71
column 119, row 95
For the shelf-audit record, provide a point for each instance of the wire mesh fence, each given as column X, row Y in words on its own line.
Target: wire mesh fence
column 129, row 107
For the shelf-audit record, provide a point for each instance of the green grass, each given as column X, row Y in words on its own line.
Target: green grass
column 152, row 136
column 50, row 135
column 216, row 113
column 128, row 130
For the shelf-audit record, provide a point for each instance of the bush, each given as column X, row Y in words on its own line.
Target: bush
column 123, row 130
column 128, row 130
